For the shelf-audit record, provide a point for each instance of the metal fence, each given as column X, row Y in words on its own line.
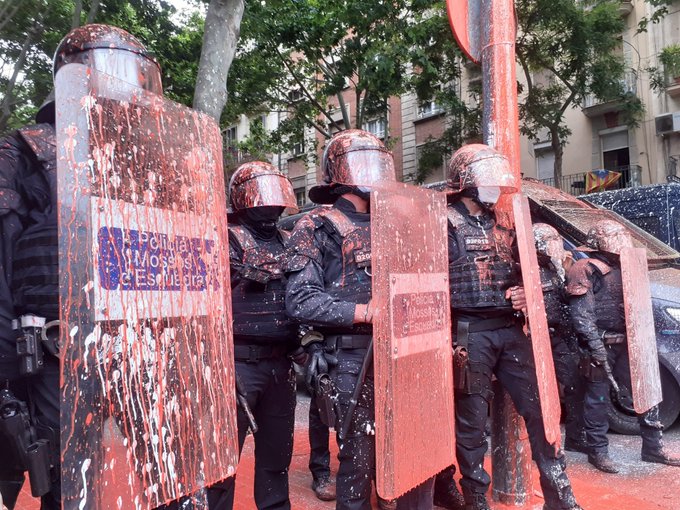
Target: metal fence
column 575, row 184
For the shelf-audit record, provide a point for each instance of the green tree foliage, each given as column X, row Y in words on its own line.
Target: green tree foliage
column 37, row 26
column 569, row 50
column 300, row 58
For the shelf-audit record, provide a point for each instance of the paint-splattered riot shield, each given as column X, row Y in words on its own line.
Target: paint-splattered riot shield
column 640, row 335
column 148, row 409
column 538, row 323
column 412, row 337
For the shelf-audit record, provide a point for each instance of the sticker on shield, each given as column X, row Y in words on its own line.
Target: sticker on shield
column 148, row 411
column 412, row 337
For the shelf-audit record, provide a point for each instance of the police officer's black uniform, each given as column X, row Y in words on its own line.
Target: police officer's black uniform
column 330, row 274
column 30, row 271
column 263, row 338
column 565, row 353
column 596, row 301
column 482, row 266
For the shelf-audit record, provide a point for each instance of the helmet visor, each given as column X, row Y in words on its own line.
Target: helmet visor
column 262, row 191
column 127, row 66
column 365, row 168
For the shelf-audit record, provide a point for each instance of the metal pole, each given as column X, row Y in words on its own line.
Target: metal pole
column 511, row 457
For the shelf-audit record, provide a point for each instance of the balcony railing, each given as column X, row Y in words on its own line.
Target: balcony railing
column 628, row 86
column 575, row 184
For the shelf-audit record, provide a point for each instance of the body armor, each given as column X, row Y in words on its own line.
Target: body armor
column 605, row 283
column 486, row 267
column 35, row 278
column 353, row 283
column 555, row 307
column 258, row 301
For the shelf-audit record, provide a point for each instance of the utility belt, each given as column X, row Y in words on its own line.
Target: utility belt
column 252, row 353
column 472, row 377
column 333, row 343
column 37, row 335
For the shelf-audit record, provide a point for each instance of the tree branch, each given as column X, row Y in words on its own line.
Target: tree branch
column 306, row 92
column 6, row 18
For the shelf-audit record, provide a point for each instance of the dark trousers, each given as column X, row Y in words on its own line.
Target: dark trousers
column 45, row 395
column 356, row 472
column 596, row 404
column 566, row 362
column 319, row 453
column 270, row 387
column 506, row 352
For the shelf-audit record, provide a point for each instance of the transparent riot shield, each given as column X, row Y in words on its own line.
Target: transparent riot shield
column 538, row 323
column 148, row 409
column 412, row 337
column 640, row 334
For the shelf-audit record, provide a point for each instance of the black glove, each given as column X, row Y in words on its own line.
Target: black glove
column 318, row 362
column 598, row 354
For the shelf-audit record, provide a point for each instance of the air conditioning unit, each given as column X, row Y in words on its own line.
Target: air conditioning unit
column 668, row 123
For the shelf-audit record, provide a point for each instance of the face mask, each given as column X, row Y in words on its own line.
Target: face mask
column 263, row 219
column 488, row 196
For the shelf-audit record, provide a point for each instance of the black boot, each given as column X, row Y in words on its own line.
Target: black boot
column 575, row 445
column 603, row 462
column 446, row 493
column 660, row 456
column 476, row 501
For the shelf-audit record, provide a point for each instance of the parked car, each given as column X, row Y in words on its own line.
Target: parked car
column 573, row 218
column 655, row 208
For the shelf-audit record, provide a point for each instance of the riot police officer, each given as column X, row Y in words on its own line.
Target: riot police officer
column 489, row 340
column 329, row 288
column 29, row 292
column 595, row 289
column 554, row 261
column 264, row 338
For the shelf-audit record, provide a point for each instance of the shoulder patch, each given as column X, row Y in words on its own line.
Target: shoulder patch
column 454, row 216
column 341, row 223
column 42, row 140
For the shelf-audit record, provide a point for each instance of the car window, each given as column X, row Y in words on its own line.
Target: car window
column 651, row 224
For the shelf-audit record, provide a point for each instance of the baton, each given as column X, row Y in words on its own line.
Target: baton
column 241, row 397
column 344, row 428
column 617, row 390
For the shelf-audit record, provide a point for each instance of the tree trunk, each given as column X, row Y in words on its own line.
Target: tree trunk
column 92, row 13
column 558, row 151
column 222, row 28
column 77, row 10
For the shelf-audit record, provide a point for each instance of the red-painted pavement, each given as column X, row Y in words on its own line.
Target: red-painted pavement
column 640, row 486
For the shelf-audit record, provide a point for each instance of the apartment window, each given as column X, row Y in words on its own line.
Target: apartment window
column 230, row 136
column 615, row 151
column 378, row 127
column 295, row 95
column 429, row 109
column 300, row 196
column 299, row 148
column 545, row 163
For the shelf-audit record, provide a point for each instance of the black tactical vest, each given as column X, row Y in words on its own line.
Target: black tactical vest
column 555, row 307
column 35, row 270
column 259, row 306
column 349, row 277
column 608, row 290
column 486, row 267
